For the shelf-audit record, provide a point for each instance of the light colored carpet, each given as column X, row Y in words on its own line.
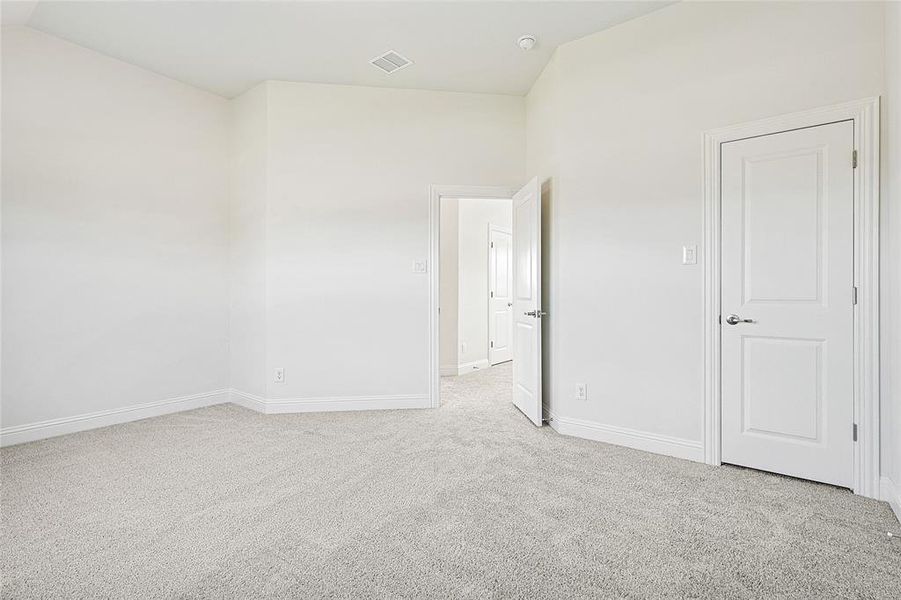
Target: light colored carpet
column 469, row 501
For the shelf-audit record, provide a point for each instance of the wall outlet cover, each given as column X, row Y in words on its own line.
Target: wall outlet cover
column 279, row 376
column 581, row 391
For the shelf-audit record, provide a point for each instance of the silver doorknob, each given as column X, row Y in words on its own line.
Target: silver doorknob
column 735, row 320
column 535, row 313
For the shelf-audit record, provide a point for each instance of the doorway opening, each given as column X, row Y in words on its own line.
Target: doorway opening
column 475, row 303
column 485, row 294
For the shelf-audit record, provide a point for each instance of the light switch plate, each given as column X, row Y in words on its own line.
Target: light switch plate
column 279, row 376
column 690, row 255
column 420, row 266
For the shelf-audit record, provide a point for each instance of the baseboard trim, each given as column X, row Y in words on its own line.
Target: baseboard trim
column 891, row 493
column 473, row 366
column 275, row 406
column 247, row 400
column 19, row 434
column 463, row 368
column 631, row 438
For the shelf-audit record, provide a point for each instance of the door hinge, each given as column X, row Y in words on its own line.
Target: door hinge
column 492, row 294
column 854, row 159
column 719, row 319
column 492, row 344
column 492, row 244
column 854, row 432
column 854, row 295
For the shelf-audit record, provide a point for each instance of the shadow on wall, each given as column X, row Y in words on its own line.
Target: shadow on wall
column 547, row 294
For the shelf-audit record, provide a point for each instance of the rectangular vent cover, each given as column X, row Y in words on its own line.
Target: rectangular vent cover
column 390, row 61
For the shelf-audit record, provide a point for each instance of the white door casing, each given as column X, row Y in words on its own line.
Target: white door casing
column 865, row 115
column 787, row 265
column 500, row 300
column 527, row 301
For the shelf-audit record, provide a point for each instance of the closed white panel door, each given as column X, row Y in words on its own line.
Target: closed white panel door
column 527, row 301
column 500, row 301
column 787, row 302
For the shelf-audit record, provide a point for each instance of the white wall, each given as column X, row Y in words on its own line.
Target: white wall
column 114, row 233
column 449, row 286
column 891, row 257
column 475, row 216
column 247, row 237
column 620, row 137
column 349, row 170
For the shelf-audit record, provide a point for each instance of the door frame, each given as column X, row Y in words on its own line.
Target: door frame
column 436, row 193
column 509, row 231
column 865, row 116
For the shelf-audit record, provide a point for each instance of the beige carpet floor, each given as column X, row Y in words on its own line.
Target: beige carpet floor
column 468, row 501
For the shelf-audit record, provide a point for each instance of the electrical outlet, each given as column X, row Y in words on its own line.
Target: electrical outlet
column 420, row 266
column 690, row 255
column 279, row 375
column 581, row 391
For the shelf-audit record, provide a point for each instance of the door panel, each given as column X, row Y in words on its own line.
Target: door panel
column 788, row 406
column 500, row 302
column 787, row 267
column 783, row 239
column 526, row 301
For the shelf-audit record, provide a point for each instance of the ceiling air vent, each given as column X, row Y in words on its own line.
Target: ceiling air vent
column 390, row 61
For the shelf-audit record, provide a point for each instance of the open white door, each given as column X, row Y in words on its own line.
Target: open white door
column 527, row 301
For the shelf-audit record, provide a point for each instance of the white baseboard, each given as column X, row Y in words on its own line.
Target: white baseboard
column 464, row 368
column 891, row 493
column 30, row 432
column 274, row 406
column 473, row 366
column 247, row 400
column 631, row 438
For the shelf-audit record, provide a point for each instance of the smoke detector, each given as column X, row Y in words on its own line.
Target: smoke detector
column 390, row 61
column 526, row 42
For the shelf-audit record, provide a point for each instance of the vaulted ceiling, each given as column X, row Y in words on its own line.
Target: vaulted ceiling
column 227, row 47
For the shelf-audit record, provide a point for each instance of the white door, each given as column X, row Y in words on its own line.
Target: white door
column 527, row 301
column 787, row 302
column 500, row 300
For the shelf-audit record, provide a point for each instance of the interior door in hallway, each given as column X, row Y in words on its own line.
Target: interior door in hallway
column 500, row 300
column 527, row 301
column 787, row 302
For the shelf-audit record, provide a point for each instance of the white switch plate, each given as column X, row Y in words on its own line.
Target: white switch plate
column 420, row 266
column 279, row 375
column 689, row 255
column 581, row 391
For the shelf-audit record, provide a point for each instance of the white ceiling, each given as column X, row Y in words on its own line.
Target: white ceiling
column 227, row 47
